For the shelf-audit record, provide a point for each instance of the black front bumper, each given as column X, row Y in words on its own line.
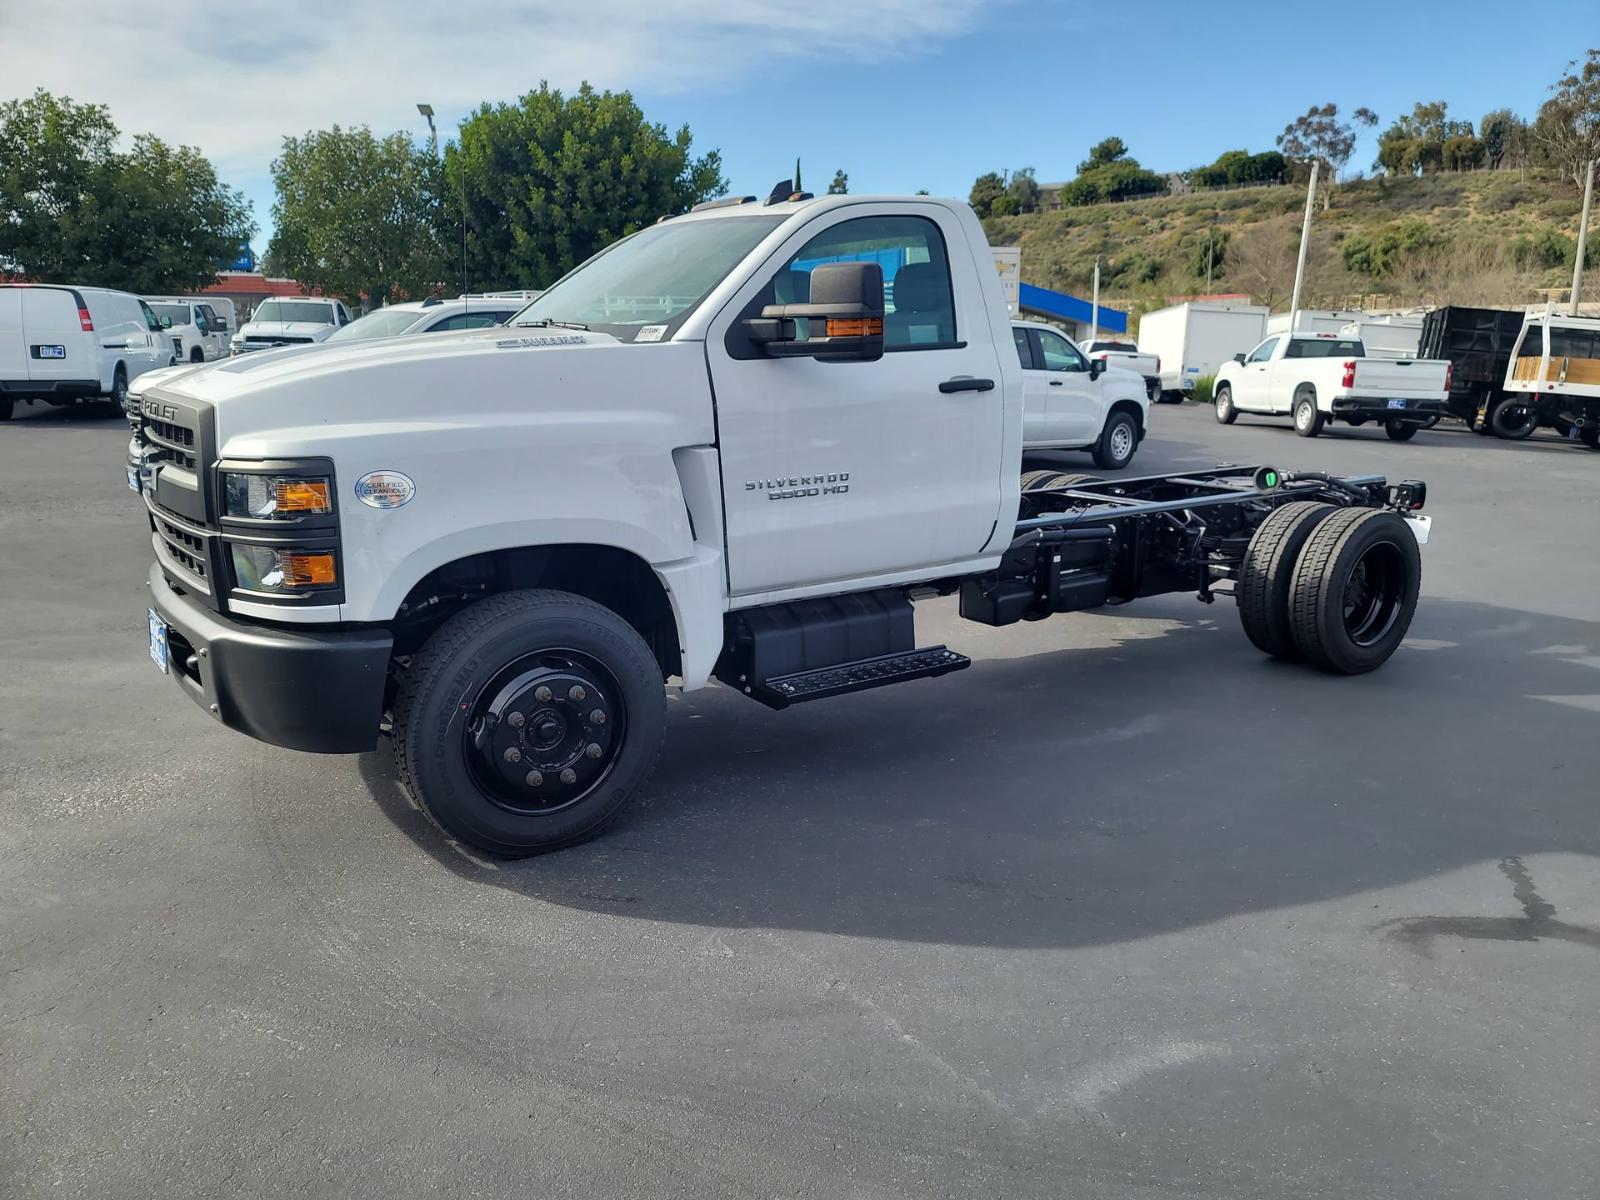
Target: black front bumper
column 306, row 689
column 1370, row 409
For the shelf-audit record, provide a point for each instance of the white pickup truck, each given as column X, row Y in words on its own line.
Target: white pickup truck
column 1319, row 377
column 1075, row 403
column 739, row 444
column 1127, row 355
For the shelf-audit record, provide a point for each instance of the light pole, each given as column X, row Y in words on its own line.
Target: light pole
column 433, row 140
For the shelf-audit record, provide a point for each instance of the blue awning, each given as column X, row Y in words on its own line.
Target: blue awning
column 1068, row 308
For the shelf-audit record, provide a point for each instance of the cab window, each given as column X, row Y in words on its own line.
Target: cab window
column 1024, row 350
column 470, row 320
column 1058, row 354
column 919, row 306
column 1264, row 351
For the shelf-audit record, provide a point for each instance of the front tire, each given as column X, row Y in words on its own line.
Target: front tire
column 196, row 356
column 528, row 720
column 1118, row 440
column 1308, row 417
column 1401, row 431
column 1355, row 590
column 1227, row 414
column 119, row 390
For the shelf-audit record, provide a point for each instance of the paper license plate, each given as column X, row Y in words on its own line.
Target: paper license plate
column 133, row 479
column 158, row 641
column 1397, row 404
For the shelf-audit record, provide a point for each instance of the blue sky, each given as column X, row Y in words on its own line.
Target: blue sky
column 902, row 94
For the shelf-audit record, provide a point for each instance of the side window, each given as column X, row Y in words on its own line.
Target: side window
column 1059, row 354
column 150, row 321
column 1024, row 351
column 1263, row 352
column 469, row 320
column 919, row 307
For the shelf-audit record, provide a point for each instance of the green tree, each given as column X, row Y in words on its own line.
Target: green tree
column 1505, row 138
column 986, row 189
column 840, row 184
column 1568, row 128
column 550, row 180
column 1024, row 190
column 1320, row 136
column 358, row 215
column 73, row 208
column 1426, row 139
column 1208, row 256
column 1106, row 151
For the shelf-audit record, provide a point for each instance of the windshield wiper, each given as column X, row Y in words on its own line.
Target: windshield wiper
column 547, row 322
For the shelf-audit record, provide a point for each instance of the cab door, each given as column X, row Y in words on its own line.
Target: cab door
column 1252, row 382
column 846, row 471
column 1073, row 406
column 1036, row 429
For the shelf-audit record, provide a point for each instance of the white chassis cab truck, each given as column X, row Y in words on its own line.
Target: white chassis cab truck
column 739, row 444
column 1315, row 378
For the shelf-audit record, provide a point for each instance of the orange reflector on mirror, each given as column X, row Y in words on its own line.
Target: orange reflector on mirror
column 855, row 327
column 306, row 570
column 302, row 495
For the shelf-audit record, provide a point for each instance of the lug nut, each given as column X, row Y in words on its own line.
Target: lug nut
column 597, row 717
column 513, row 754
column 569, row 776
column 542, row 694
column 576, row 693
column 516, row 720
column 593, row 750
column 533, row 779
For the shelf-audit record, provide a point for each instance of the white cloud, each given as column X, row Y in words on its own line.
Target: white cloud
column 234, row 78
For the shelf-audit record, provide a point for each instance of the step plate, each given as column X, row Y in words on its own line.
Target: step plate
column 784, row 690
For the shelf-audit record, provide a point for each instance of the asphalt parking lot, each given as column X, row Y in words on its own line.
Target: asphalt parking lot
column 1124, row 910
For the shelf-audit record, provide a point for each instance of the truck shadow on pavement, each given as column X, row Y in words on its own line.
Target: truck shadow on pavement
column 1160, row 777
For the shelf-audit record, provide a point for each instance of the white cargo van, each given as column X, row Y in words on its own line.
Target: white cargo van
column 1194, row 339
column 70, row 345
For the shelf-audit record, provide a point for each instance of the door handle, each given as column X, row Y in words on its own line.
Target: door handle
column 1055, row 383
column 966, row 383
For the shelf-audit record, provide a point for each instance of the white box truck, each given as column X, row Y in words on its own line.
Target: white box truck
column 1195, row 338
column 1313, row 320
column 1391, row 336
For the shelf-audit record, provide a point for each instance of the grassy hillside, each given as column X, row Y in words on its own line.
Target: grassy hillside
column 1483, row 237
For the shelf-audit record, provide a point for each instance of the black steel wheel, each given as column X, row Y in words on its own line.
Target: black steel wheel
column 528, row 720
column 1267, row 574
column 1355, row 590
column 1513, row 421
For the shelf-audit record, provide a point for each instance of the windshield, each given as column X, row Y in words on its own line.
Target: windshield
column 386, row 322
column 654, row 278
column 295, row 310
column 178, row 314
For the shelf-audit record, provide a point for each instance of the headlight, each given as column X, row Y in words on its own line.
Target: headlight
column 268, row 569
column 276, row 497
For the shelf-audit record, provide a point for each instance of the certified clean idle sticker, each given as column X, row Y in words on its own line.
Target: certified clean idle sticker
column 385, row 489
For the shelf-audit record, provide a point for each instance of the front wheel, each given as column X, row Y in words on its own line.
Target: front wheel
column 1401, row 431
column 1118, row 440
column 1227, row 414
column 528, row 720
column 1307, row 416
column 1513, row 421
column 119, row 391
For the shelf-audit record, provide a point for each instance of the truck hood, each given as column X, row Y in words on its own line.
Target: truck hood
column 286, row 329
column 294, row 400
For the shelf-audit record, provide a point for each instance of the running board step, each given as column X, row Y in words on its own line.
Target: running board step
column 784, row 690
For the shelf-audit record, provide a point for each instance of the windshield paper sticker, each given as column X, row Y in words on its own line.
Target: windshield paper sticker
column 651, row 333
column 521, row 343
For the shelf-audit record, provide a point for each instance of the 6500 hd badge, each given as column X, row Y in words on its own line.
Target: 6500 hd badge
column 834, row 484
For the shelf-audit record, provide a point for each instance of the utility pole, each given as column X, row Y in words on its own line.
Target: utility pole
column 1305, row 242
column 1094, row 305
column 1583, row 238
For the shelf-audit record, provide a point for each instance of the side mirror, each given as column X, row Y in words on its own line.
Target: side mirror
column 1239, row 358
column 1096, row 369
column 844, row 315
column 166, row 322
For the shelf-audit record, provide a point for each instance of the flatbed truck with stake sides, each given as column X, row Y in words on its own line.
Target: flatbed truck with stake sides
column 725, row 447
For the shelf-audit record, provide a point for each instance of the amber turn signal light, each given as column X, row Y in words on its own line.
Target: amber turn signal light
column 306, row 570
column 302, row 495
column 855, row 327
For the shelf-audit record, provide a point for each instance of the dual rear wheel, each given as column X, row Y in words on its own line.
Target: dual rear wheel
column 1335, row 587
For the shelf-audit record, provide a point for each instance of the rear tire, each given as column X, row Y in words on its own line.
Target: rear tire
column 1512, row 421
column 1308, row 417
column 119, row 390
column 5, row 408
column 1267, row 575
column 1401, row 431
column 1170, row 397
column 1118, row 440
column 1227, row 414
column 1032, row 480
column 1355, row 590
column 547, row 662
column 196, row 356
column 1589, row 435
